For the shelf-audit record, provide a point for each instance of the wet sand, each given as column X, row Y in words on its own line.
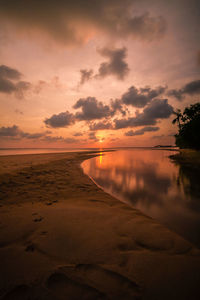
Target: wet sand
column 62, row 237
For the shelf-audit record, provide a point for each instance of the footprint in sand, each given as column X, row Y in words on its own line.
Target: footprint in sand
column 39, row 219
column 19, row 292
column 30, row 248
column 43, row 232
column 64, row 287
column 108, row 284
column 25, row 292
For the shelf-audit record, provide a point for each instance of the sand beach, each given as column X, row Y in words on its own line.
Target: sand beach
column 62, row 237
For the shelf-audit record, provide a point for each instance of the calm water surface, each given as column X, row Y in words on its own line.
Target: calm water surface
column 149, row 181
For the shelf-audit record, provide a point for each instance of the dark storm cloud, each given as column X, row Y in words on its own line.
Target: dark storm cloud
column 115, row 65
column 140, row 97
column 9, row 82
column 85, row 75
column 72, row 22
column 91, row 109
column 60, row 120
column 157, row 109
column 190, row 88
column 141, row 131
column 100, row 126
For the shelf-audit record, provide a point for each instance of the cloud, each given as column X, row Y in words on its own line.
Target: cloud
column 157, row 109
column 21, row 87
column 147, row 27
column 141, row 131
column 116, row 64
column 140, row 97
column 39, row 86
column 8, row 84
column 77, row 134
column 52, row 139
column 15, row 131
column 92, row 136
column 198, row 58
column 176, row 93
column 85, row 75
column 190, row 88
column 159, row 136
column 60, row 120
column 10, row 131
column 117, row 106
column 36, row 135
column 9, row 73
column 17, row 111
column 70, row 140
column 129, row 133
column 74, row 22
column 91, row 109
column 100, row 126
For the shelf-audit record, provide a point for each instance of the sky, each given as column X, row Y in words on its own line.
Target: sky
column 96, row 73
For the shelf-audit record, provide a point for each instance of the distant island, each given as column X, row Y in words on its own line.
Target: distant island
column 164, row 146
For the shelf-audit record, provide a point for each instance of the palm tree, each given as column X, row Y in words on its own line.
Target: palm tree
column 178, row 117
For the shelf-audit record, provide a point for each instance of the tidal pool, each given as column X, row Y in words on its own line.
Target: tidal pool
column 151, row 182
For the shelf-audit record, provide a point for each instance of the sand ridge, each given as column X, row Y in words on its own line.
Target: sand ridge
column 62, row 237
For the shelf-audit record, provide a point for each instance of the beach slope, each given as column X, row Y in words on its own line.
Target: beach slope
column 62, row 237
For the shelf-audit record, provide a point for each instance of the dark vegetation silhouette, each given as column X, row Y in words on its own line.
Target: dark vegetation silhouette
column 189, row 127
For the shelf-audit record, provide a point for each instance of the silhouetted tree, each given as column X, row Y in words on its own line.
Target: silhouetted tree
column 178, row 117
column 189, row 127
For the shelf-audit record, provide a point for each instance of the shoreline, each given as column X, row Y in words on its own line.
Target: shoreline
column 61, row 235
column 187, row 158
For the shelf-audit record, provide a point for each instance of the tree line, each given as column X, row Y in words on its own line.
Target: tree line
column 188, row 122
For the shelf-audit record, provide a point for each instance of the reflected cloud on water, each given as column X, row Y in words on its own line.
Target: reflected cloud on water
column 149, row 181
